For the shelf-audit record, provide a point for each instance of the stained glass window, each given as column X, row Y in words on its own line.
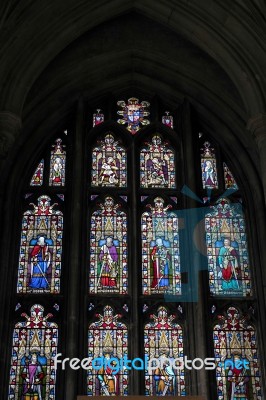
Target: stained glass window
column 229, row 180
column 208, row 167
column 32, row 372
column 108, row 342
column 37, row 178
column 109, row 164
column 98, row 118
column 168, row 120
column 160, row 250
column 108, row 249
column 227, row 250
column 236, row 354
column 57, row 164
column 163, row 342
column 157, row 164
column 133, row 114
column 40, row 249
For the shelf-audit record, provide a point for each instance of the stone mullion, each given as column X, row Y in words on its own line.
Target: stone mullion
column 195, row 310
column 134, row 268
column 73, row 312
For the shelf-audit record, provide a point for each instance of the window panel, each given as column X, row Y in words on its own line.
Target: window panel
column 208, row 167
column 98, row 118
column 163, row 341
column 108, row 249
column 57, row 164
column 32, row 372
column 235, row 349
column 109, row 163
column 160, row 250
column 157, row 164
column 227, row 250
column 40, row 248
column 133, row 114
column 107, row 338
column 37, row 178
column 229, row 180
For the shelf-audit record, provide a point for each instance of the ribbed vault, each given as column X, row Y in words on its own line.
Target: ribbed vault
column 211, row 52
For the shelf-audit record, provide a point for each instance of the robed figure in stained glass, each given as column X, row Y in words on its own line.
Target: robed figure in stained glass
column 238, row 381
column 41, row 248
column 33, row 376
column 157, row 164
column 108, row 249
column 107, row 343
column 163, row 347
column 161, row 265
column 108, row 264
column 227, row 250
column 109, row 163
column 160, row 250
column 40, row 260
column 237, row 358
column 208, row 167
column 109, row 171
column 209, row 173
column 228, row 260
column 57, row 164
column 164, row 377
column 108, row 376
column 32, row 371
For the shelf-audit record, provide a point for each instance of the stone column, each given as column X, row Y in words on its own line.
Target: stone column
column 257, row 126
column 196, row 302
column 10, row 125
column 74, row 329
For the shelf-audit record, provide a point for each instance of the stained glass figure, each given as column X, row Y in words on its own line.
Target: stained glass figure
column 160, row 250
column 108, row 250
column 168, row 120
column 57, row 164
column 108, row 342
column 163, row 342
column 157, row 164
column 32, row 372
column 133, row 114
column 236, row 354
column 208, row 167
column 98, row 117
column 40, row 249
column 109, row 163
column 227, row 250
column 37, row 178
column 229, row 180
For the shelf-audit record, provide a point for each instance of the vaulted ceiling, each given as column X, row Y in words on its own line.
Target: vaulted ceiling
column 212, row 52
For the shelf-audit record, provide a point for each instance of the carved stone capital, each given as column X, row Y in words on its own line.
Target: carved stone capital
column 10, row 126
column 257, row 127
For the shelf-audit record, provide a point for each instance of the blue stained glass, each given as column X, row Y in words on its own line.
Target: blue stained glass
column 227, row 250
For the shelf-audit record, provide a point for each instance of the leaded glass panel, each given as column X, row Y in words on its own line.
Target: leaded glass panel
column 32, row 372
column 160, row 250
column 157, row 164
column 227, row 250
column 40, row 256
column 163, row 347
column 108, row 249
column 236, row 354
column 107, row 339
